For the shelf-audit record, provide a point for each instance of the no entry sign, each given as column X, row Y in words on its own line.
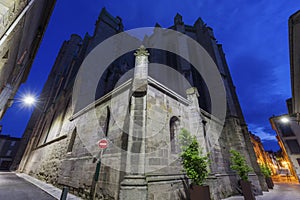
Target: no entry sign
column 103, row 143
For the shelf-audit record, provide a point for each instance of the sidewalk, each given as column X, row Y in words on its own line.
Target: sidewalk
column 281, row 191
column 48, row 188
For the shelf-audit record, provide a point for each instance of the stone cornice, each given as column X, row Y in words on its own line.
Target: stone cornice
column 106, row 97
column 167, row 90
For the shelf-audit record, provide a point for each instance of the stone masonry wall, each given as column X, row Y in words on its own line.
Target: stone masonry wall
column 78, row 168
column 160, row 109
column 164, row 169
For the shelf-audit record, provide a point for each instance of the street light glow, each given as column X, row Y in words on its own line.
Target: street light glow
column 284, row 120
column 29, row 100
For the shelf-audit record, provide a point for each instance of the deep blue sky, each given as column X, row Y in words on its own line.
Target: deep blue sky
column 254, row 34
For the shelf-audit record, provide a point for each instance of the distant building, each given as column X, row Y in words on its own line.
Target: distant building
column 22, row 25
column 263, row 158
column 143, row 130
column 278, row 162
column 8, row 149
column 273, row 156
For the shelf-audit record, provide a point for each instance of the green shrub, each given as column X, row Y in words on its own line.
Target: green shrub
column 194, row 163
column 239, row 164
column 265, row 170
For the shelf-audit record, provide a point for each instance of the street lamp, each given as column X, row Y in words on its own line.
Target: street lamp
column 29, row 100
column 293, row 117
column 25, row 100
column 285, row 120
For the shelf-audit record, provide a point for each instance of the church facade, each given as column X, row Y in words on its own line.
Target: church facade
column 141, row 116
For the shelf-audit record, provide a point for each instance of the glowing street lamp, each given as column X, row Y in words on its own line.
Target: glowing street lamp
column 291, row 117
column 285, row 120
column 29, row 100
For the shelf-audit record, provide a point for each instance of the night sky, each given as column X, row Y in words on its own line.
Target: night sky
column 254, row 34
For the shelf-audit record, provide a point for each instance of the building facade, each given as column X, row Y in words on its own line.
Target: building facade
column 141, row 115
column 287, row 126
column 294, row 44
column 288, row 139
column 278, row 162
column 263, row 157
column 22, row 25
column 8, row 150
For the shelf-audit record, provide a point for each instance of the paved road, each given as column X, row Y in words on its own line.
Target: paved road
column 281, row 191
column 13, row 187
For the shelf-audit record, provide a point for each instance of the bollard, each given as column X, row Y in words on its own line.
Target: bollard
column 64, row 193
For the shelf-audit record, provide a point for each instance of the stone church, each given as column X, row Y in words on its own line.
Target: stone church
column 141, row 113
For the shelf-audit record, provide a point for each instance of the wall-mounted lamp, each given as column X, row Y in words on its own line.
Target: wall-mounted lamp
column 293, row 117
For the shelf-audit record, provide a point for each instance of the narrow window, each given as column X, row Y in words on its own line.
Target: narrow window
column 293, row 146
column 107, row 121
column 62, row 118
column 174, row 127
column 104, row 120
column 72, row 141
column 49, row 128
column 41, row 133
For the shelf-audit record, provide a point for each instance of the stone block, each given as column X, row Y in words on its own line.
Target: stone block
column 136, row 147
column 154, row 161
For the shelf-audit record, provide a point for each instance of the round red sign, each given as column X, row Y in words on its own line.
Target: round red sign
column 103, row 143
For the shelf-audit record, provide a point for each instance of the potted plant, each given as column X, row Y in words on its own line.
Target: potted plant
column 195, row 165
column 266, row 171
column 240, row 165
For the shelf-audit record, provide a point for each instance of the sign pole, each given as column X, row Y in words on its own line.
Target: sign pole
column 103, row 144
column 98, row 166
